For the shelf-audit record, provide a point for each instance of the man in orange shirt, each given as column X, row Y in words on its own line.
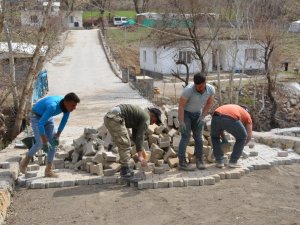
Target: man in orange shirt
column 235, row 120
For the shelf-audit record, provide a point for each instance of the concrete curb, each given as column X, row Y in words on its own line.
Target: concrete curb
column 113, row 65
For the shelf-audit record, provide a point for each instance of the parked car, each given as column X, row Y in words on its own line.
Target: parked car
column 119, row 21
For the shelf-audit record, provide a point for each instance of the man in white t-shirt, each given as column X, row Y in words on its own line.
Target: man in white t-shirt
column 194, row 104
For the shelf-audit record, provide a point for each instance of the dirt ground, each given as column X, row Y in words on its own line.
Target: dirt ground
column 261, row 197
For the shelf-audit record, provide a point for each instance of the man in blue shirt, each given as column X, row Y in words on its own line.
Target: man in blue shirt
column 42, row 123
column 194, row 104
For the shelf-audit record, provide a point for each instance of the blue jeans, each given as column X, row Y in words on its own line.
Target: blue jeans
column 234, row 127
column 49, row 130
column 190, row 120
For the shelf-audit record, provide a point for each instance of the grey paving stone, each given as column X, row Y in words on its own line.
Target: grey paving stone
column 170, row 183
column 37, row 185
column 163, row 184
column 145, row 184
column 30, row 174
column 222, row 175
column 82, row 181
column 193, row 182
column 201, row 181
column 235, row 175
column 96, row 180
column 68, row 183
column 217, row 178
column 155, row 184
column 110, row 180
column 53, row 184
column 209, row 180
column 5, row 165
column 34, row 167
column 178, row 182
column 253, row 153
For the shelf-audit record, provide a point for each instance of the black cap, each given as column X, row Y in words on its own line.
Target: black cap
column 157, row 113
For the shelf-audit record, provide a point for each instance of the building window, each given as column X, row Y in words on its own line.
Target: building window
column 155, row 57
column 185, row 56
column 71, row 19
column 250, row 54
column 144, row 56
column 34, row 19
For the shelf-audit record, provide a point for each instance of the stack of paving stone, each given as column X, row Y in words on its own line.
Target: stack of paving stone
column 92, row 152
column 95, row 152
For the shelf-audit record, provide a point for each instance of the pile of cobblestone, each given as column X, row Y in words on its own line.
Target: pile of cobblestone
column 95, row 152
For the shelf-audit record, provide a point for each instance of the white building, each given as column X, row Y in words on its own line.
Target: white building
column 74, row 20
column 295, row 27
column 160, row 61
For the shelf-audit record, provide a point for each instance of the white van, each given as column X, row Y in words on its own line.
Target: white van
column 119, row 21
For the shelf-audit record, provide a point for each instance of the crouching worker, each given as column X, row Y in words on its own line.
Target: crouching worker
column 42, row 123
column 124, row 116
column 235, row 120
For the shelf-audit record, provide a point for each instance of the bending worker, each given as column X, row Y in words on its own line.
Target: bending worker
column 235, row 120
column 42, row 123
column 124, row 116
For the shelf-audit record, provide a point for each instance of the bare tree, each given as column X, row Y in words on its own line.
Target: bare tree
column 101, row 5
column 189, row 22
column 177, row 75
column 12, row 69
column 238, row 7
column 269, row 35
column 45, row 35
column 141, row 6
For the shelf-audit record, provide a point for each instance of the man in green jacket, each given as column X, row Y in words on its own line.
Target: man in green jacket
column 124, row 116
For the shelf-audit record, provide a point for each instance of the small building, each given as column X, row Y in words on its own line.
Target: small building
column 74, row 20
column 161, row 61
column 295, row 27
column 22, row 53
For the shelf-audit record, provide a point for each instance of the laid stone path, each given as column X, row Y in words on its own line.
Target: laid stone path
column 265, row 159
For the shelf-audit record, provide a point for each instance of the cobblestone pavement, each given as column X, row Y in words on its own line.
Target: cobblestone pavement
column 265, row 157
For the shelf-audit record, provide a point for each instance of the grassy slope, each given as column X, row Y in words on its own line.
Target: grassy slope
column 87, row 15
column 127, row 42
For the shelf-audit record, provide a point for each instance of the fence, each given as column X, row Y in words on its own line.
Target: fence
column 40, row 86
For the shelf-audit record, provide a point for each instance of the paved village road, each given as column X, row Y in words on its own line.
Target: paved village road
column 83, row 68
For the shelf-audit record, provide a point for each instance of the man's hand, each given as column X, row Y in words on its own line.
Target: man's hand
column 55, row 141
column 46, row 147
column 200, row 122
column 182, row 128
column 224, row 141
column 142, row 157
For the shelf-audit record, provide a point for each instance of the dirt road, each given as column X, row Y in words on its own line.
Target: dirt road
column 262, row 197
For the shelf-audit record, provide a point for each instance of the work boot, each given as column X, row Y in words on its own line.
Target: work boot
column 200, row 164
column 24, row 163
column 183, row 165
column 49, row 172
column 234, row 165
column 125, row 172
column 219, row 164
